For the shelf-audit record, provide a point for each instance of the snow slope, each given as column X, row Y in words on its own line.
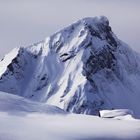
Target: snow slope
column 17, row 105
column 83, row 68
column 22, row 119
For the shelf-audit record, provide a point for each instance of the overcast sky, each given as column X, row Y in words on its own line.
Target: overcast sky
column 23, row 22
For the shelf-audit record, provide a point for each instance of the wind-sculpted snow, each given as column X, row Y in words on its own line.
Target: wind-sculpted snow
column 119, row 114
column 83, row 68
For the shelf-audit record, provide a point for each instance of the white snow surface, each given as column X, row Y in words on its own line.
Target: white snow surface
column 83, row 68
column 13, row 104
column 22, row 119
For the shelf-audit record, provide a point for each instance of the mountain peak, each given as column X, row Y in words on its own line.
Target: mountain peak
column 79, row 32
column 83, row 33
column 82, row 68
column 96, row 20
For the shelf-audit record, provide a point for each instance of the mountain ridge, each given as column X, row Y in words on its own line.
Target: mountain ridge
column 83, row 68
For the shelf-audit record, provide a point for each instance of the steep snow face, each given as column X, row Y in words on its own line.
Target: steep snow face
column 83, row 68
column 7, row 60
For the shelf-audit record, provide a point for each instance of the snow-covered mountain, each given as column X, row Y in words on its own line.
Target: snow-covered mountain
column 83, row 68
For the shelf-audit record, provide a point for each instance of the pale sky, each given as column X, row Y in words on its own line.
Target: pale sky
column 23, row 22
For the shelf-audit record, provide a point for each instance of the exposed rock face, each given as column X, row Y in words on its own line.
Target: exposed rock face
column 83, row 68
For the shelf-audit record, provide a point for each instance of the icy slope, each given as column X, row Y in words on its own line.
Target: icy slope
column 83, row 68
